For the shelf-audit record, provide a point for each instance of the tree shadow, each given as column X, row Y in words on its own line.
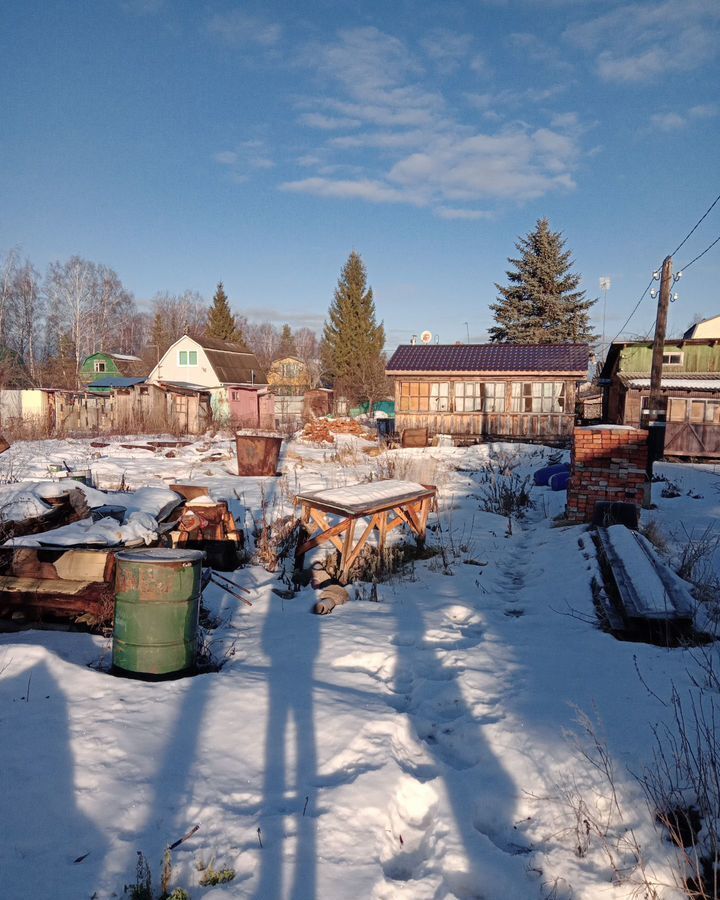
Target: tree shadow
column 48, row 841
column 292, row 645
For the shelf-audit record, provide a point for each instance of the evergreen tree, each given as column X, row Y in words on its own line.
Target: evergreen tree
column 221, row 322
column 287, row 343
column 352, row 347
column 541, row 304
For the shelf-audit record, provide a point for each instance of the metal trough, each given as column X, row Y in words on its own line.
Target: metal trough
column 257, row 454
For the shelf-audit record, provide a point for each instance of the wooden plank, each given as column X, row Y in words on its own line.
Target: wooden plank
column 324, row 526
column 321, row 538
column 355, row 552
column 382, row 529
column 42, row 585
column 347, row 546
column 676, row 605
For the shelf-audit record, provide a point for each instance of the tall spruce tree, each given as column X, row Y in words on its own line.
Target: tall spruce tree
column 222, row 324
column 352, row 346
column 287, row 343
column 541, row 304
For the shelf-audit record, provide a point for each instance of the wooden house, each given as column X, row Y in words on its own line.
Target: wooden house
column 289, row 376
column 690, row 389
column 100, row 366
column 475, row 391
column 232, row 374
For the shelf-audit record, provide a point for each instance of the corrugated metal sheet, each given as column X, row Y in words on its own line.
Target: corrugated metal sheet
column 480, row 358
column 675, row 384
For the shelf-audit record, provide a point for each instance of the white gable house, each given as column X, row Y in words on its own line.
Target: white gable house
column 228, row 371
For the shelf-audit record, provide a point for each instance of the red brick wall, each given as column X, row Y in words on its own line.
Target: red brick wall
column 606, row 464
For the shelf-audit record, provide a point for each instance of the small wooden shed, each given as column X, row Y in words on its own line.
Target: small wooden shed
column 475, row 391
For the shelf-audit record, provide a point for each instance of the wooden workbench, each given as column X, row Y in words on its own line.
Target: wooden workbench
column 383, row 505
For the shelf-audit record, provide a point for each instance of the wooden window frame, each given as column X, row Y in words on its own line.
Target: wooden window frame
column 538, row 397
column 424, row 396
column 483, row 396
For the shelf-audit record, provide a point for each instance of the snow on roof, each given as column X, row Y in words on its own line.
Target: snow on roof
column 126, row 356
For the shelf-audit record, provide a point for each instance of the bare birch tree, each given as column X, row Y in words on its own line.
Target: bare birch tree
column 8, row 272
column 28, row 308
column 86, row 304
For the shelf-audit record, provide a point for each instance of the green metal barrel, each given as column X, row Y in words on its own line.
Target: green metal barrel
column 157, row 604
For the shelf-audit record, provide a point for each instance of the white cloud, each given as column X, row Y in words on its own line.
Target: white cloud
column 534, row 49
column 313, row 321
column 448, row 212
column 515, row 165
column 703, row 111
column 249, row 155
column 226, row 157
column 425, row 154
column 643, row 42
column 362, row 189
column 328, row 123
column 446, row 49
column 501, row 101
column 239, row 28
column 672, row 121
column 667, row 121
column 382, row 140
column 479, row 64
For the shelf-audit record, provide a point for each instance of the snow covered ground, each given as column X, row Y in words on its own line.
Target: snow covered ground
column 433, row 744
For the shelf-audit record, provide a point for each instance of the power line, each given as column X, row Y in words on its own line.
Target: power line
column 635, row 308
column 687, row 265
column 695, row 226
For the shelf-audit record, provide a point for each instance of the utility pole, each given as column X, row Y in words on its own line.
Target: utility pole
column 656, row 412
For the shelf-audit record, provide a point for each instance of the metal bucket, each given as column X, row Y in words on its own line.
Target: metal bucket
column 157, row 604
column 257, row 454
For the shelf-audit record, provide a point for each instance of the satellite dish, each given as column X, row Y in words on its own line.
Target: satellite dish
column 426, row 337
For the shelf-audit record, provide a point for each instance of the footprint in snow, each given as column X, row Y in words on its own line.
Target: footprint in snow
column 409, row 840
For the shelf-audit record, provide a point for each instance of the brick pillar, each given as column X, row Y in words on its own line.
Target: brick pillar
column 607, row 463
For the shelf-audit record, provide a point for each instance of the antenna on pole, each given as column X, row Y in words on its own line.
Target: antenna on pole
column 604, row 287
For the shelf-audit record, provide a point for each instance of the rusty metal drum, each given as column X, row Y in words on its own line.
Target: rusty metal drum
column 257, row 454
column 157, row 605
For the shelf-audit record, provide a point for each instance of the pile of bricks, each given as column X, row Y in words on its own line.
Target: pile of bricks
column 606, row 464
column 323, row 431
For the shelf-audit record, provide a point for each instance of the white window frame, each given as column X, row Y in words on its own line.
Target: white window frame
column 98, row 364
column 668, row 360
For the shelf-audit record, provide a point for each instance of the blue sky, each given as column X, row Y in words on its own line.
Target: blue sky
column 186, row 142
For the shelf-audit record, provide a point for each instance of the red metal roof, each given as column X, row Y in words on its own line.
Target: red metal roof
column 490, row 358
